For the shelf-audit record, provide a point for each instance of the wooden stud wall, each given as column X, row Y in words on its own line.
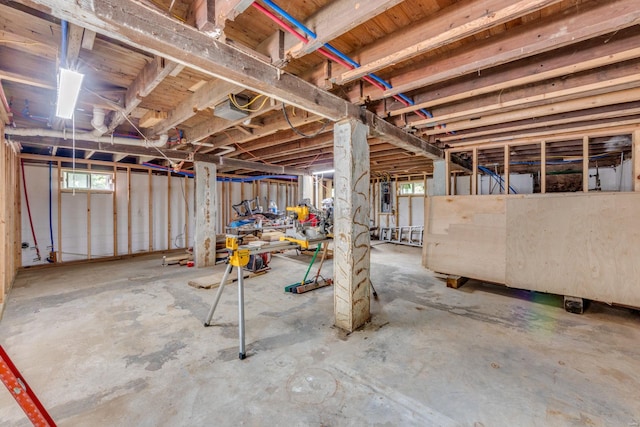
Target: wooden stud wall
column 247, row 190
column 9, row 216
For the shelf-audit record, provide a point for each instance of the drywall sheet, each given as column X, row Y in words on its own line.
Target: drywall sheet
column 466, row 236
column 583, row 245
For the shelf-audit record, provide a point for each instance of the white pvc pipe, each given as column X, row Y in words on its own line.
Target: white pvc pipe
column 88, row 136
column 98, row 121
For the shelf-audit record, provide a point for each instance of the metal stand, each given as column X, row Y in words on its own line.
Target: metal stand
column 242, row 354
column 239, row 258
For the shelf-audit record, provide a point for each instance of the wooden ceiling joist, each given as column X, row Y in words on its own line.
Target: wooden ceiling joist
column 590, row 20
column 453, row 23
column 609, row 98
column 328, row 23
column 558, row 90
column 212, row 93
column 599, row 52
column 145, row 82
column 150, row 30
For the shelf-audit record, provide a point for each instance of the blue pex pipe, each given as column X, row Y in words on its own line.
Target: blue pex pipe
column 291, row 19
column 336, row 52
column 63, row 44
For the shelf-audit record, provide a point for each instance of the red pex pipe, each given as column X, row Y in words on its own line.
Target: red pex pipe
column 26, row 198
column 280, row 22
column 322, row 51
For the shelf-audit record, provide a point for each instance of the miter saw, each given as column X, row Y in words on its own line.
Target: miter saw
column 310, row 224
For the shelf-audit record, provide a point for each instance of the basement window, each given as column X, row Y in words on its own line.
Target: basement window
column 87, row 181
column 411, row 188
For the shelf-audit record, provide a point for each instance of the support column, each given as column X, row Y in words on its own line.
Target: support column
column 204, row 246
column 305, row 188
column 351, row 225
column 439, row 178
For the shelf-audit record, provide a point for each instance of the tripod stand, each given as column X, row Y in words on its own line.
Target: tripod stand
column 242, row 354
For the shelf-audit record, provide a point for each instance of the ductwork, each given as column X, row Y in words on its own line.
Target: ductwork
column 88, row 136
column 98, row 121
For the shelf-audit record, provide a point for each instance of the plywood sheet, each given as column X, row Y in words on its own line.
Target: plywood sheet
column 466, row 236
column 584, row 245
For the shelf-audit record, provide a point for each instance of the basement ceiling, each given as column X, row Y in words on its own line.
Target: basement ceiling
column 222, row 81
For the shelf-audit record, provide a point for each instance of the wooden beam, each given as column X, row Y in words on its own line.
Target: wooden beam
column 88, row 39
column 5, row 113
column 636, row 160
column 151, row 118
column 228, row 10
column 145, row 82
column 585, row 164
column 205, row 16
column 148, row 29
column 73, row 45
column 211, row 93
column 26, row 80
column 451, row 24
column 171, row 154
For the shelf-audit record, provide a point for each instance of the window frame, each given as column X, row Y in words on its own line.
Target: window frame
column 90, row 174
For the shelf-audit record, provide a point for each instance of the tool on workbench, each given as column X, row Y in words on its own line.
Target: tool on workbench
column 309, row 223
column 23, row 394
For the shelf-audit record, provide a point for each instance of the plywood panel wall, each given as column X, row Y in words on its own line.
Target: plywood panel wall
column 578, row 245
column 583, row 245
column 465, row 235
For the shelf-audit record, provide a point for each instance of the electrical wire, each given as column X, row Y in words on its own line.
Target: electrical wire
column 244, row 107
column 296, row 130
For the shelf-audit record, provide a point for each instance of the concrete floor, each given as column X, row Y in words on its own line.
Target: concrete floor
column 122, row 343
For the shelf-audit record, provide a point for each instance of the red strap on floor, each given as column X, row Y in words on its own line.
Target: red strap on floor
column 23, row 394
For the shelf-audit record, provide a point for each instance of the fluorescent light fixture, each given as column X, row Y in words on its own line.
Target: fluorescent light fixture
column 69, row 83
column 323, row 172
